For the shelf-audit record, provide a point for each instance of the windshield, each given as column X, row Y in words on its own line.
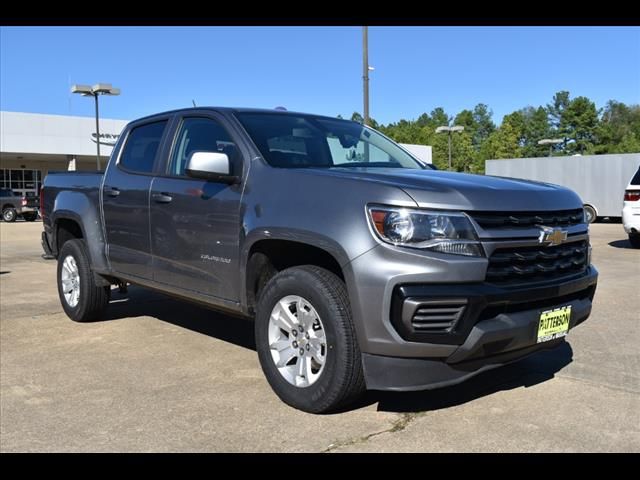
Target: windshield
column 298, row 141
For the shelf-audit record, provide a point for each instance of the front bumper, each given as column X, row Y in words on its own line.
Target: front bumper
column 395, row 374
column 499, row 326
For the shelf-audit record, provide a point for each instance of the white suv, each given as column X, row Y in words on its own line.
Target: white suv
column 631, row 210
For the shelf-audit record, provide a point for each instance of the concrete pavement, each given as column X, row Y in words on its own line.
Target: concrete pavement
column 163, row 375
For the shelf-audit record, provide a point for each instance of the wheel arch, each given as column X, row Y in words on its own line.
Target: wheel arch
column 67, row 225
column 264, row 256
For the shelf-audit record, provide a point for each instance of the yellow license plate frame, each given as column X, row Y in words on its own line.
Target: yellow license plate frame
column 554, row 323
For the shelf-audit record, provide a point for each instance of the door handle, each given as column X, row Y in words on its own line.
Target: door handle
column 162, row 197
column 111, row 191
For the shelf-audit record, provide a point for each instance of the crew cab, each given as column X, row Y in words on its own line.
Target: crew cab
column 363, row 267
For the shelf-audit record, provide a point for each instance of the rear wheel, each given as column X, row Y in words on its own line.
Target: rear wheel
column 590, row 214
column 30, row 217
column 9, row 214
column 306, row 341
column 634, row 240
column 81, row 299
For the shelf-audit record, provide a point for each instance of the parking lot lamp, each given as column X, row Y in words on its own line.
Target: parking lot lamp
column 450, row 130
column 551, row 142
column 95, row 91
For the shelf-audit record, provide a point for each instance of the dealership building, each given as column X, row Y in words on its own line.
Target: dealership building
column 33, row 144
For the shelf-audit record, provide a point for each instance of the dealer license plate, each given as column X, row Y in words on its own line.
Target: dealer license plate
column 554, row 323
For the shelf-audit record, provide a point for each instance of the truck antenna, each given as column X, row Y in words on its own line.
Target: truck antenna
column 194, row 103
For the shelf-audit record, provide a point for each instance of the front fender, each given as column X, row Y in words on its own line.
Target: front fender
column 305, row 237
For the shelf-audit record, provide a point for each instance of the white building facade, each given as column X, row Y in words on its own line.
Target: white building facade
column 32, row 144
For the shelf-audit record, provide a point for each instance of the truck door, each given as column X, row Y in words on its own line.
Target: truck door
column 125, row 198
column 195, row 223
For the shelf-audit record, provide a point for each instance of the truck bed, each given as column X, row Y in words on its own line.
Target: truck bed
column 75, row 195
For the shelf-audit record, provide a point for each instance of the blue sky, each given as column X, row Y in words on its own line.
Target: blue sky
column 315, row 69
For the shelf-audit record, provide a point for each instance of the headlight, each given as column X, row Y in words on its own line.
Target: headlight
column 445, row 232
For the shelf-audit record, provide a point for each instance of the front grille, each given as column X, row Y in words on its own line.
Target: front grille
column 563, row 218
column 532, row 264
column 437, row 316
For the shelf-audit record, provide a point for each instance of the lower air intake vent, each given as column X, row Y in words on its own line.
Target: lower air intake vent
column 434, row 316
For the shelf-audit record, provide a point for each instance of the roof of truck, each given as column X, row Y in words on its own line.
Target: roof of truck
column 234, row 110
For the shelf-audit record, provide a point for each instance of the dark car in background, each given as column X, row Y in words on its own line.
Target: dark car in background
column 14, row 205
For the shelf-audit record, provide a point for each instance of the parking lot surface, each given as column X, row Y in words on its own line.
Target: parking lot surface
column 163, row 375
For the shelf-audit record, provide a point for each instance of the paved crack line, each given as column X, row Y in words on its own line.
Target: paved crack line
column 397, row 426
column 595, row 384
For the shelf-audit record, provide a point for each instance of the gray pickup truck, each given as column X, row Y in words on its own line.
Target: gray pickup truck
column 363, row 267
column 13, row 206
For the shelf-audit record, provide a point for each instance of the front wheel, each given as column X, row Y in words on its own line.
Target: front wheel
column 306, row 341
column 9, row 214
column 81, row 299
column 634, row 240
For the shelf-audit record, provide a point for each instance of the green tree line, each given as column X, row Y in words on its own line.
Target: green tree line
column 581, row 127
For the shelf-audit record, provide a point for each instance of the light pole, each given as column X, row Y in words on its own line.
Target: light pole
column 450, row 130
column 365, row 72
column 551, row 142
column 95, row 91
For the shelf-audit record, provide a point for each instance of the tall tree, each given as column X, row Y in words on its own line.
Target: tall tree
column 534, row 126
column 555, row 110
column 439, row 117
column 579, row 122
column 463, row 155
column 619, row 129
column 357, row 117
column 484, row 125
column 504, row 141
column 466, row 119
column 557, row 107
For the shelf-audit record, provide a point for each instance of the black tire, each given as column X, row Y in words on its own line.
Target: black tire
column 30, row 217
column 590, row 214
column 92, row 299
column 341, row 382
column 634, row 240
column 9, row 214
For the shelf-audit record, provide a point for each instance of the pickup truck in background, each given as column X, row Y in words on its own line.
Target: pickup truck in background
column 363, row 267
column 12, row 206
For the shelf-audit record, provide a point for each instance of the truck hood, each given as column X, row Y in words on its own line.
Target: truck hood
column 451, row 190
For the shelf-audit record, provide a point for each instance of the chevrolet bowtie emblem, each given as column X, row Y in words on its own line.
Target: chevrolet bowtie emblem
column 552, row 236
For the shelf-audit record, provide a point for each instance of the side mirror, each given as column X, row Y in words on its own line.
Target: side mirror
column 214, row 166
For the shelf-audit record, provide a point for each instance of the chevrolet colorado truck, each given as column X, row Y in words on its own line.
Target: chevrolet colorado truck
column 363, row 267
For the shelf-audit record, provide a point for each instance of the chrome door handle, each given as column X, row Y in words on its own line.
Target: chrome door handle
column 162, row 197
column 111, row 191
